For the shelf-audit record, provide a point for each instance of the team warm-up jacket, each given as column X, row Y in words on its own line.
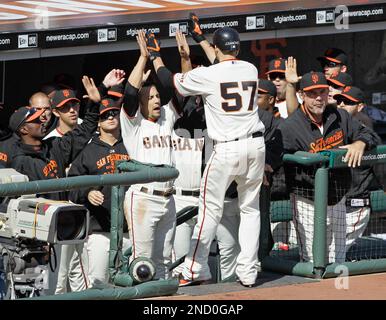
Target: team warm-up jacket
column 97, row 158
column 8, row 148
column 50, row 160
column 299, row 133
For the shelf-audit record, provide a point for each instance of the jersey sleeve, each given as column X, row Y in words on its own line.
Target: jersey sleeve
column 171, row 114
column 192, row 83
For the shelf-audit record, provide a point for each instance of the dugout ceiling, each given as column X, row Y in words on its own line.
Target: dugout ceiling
column 32, row 29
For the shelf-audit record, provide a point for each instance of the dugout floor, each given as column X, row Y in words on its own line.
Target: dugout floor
column 273, row 286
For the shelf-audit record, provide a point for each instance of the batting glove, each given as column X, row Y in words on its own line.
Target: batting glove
column 195, row 29
column 153, row 46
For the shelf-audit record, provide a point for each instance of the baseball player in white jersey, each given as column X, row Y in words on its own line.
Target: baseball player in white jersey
column 146, row 133
column 229, row 93
column 187, row 154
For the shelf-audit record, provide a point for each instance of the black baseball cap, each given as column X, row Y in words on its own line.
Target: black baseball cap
column 276, row 65
column 334, row 55
column 313, row 80
column 341, row 79
column 23, row 115
column 62, row 96
column 108, row 104
column 351, row 93
column 116, row 91
column 266, row 86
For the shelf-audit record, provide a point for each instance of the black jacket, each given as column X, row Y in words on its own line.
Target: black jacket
column 299, row 133
column 51, row 159
column 8, row 149
column 96, row 159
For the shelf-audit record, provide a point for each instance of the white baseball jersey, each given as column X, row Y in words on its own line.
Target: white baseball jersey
column 230, row 106
column 187, row 158
column 148, row 141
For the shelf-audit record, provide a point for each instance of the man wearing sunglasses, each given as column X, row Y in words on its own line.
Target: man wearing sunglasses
column 364, row 180
column 337, row 83
column 287, row 100
column 333, row 61
column 315, row 127
column 352, row 99
column 98, row 158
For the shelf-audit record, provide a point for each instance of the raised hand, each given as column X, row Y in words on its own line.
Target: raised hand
column 91, row 89
column 114, row 77
column 153, row 46
column 195, row 29
column 145, row 76
column 182, row 44
column 141, row 40
column 291, row 74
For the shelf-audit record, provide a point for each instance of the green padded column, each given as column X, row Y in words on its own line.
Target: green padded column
column 320, row 221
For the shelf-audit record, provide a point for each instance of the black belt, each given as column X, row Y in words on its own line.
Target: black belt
column 195, row 193
column 165, row 194
column 253, row 135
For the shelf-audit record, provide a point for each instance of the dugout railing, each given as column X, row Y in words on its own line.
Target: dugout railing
column 367, row 254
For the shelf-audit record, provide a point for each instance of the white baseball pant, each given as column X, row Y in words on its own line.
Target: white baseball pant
column 152, row 223
column 227, row 237
column 71, row 270
column 96, row 257
column 357, row 220
column 242, row 161
column 304, row 212
column 184, row 231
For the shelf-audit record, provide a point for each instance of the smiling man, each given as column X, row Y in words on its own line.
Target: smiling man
column 315, row 127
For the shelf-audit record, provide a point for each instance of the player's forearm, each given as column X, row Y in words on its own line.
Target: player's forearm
column 186, row 65
column 135, row 78
column 209, row 50
column 291, row 98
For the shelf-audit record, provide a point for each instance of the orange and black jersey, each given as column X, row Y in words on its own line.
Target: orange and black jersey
column 300, row 133
column 96, row 159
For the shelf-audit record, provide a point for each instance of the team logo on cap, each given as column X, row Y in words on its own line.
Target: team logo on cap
column 346, row 89
column 66, row 93
column 315, row 78
column 277, row 64
column 105, row 102
column 329, row 52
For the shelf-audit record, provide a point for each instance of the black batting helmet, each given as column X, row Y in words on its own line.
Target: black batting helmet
column 226, row 39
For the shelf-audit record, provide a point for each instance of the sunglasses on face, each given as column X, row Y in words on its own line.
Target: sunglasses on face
column 330, row 64
column 275, row 75
column 108, row 114
column 346, row 102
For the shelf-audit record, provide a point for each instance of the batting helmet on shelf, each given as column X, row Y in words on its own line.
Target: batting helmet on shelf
column 226, row 39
